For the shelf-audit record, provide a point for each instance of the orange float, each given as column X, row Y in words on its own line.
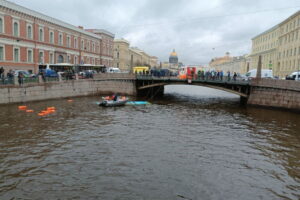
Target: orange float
column 70, row 100
column 41, row 114
column 51, row 108
column 22, row 107
column 29, row 111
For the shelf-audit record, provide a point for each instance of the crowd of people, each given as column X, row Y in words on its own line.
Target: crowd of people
column 216, row 75
column 6, row 77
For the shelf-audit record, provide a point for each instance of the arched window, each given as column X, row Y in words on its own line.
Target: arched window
column 75, row 43
column 82, row 44
column 1, row 25
column 51, row 37
column 41, row 57
column 41, row 35
column 29, row 31
column 60, row 59
column 60, row 40
column 16, row 29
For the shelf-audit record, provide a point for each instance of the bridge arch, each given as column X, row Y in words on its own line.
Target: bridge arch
column 231, row 89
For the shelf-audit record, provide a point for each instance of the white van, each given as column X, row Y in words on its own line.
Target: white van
column 294, row 76
column 265, row 73
column 113, row 70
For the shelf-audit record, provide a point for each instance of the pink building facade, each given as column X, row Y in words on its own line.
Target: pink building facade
column 29, row 39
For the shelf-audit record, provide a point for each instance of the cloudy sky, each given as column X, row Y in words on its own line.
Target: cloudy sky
column 198, row 30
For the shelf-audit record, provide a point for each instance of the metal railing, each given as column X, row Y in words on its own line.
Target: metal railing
column 7, row 81
column 195, row 78
column 30, row 80
column 51, row 79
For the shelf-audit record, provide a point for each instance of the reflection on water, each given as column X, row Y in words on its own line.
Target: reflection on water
column 195, row 143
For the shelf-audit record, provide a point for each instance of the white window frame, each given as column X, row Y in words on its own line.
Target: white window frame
column 13, row 26
column 3, row 24
column 14, row 59
column 51, row 42
column 41, row 39
column 51, row 60
column 75, row 60
column 27, row 35
column 60, row 42
column 43, row 58
column 82, row 44
column 75, row 42
column 31, row 55
column 3, row 46
column 68, row 41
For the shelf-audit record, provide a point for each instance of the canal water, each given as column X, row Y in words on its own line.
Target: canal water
column 194, row 143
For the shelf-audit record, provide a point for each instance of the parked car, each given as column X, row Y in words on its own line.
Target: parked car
column 113, row 70
column 293, row 76
column 25, row 73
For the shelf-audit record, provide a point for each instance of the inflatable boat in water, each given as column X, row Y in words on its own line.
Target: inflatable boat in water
column 112, row 103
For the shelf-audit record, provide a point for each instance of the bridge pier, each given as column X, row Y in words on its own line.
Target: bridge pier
column 243, row 100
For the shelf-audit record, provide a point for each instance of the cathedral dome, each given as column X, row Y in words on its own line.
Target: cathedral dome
column 173, row 59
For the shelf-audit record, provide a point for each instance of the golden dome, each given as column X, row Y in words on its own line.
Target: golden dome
column 173, row 54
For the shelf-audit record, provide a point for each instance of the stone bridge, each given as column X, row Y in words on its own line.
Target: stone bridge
column 262, row 92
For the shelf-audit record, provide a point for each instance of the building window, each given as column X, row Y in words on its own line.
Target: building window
column 82, row 45
column 93, row 47
column 29, row 31
column 29, row 56
column 41, row 57
column 1, row 25
column 16, row 54
column 60, row 39
column 75, row 43
column 51, row 37
column 60, row 59
column 69, row 59
column 16, row 29
column 68, row 41
column 1, row 53
column 88, row 46
column 51, row 57
column 75, row 60
column 41, row 35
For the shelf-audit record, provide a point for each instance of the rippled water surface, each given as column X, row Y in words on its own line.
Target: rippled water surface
column 195, row 143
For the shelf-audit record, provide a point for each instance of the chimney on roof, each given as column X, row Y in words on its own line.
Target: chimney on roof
column 81, row 27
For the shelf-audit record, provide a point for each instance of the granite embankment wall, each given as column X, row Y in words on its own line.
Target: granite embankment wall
column 101, row 84
column 275, row 93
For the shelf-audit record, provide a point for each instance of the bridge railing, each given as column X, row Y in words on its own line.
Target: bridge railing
column 208, row 79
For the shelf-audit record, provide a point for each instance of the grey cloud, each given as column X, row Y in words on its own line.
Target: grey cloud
column 198, row 30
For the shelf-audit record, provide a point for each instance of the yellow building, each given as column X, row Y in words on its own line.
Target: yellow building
column 238, row 64
column 220, row 60
column 266, row 45
column 121, row 54
column 126, row 57
column 289, row 46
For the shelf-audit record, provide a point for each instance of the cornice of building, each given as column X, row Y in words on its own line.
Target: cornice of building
column 267, row 31
column 101, row 31
column 289, row 18
column 262, row 52
column 121, row 40
column 21, row 9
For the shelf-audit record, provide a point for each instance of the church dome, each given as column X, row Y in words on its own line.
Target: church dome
column 173, row 54
column 173, row 59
